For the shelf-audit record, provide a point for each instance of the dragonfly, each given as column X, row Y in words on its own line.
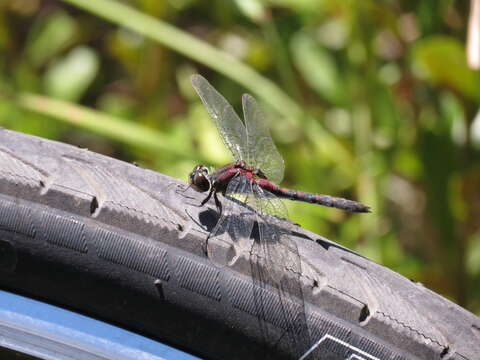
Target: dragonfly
column 256, row 231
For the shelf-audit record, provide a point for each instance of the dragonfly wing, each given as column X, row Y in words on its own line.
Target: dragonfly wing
column 231, row 128
column 276, row 262
column 261, row 151
column 267, row 203
column 231, row 237
column 252, row 230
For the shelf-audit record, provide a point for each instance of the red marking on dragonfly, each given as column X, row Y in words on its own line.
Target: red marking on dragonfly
column 218, row 182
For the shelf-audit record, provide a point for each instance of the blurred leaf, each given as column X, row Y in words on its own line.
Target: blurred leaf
column 310, row 7
column 438, row 156
column 407, row 162
column 4, row 34
column 317, row 67
column 454, row 117
column 68, row 78
column 100, row 123
column 25, row 77
column 253, row 9
column 194, row 48
column 117, row 105
column 473, row 255
column 49, row 36
column 441, row 60
column 475, row 131
column 15, row 118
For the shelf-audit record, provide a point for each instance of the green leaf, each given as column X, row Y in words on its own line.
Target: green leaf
column 473, row 255
column 253, row 9
column 317, row 67
column 49, row 36
column 441, row 60
column 103, row 124
column 68, row 78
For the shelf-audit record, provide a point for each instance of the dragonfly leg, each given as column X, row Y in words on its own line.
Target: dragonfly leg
column 218, row 204
column 204, row 201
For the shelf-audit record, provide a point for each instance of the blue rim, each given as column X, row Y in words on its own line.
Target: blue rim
column 43, row 330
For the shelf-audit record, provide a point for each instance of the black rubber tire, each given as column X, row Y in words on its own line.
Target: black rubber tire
column 119, row 243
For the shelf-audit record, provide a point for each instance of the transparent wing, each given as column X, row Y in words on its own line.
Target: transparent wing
column 266, row 203
column 229, row 125
column 261, row 151
column 250, row 229
column 277, row 263
column 231, row 237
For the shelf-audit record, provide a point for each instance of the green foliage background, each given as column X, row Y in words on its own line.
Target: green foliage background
column 370, row 100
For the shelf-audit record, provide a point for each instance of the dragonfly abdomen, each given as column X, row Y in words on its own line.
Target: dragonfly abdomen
column 313, row 198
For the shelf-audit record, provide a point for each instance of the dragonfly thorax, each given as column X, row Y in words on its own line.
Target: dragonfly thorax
column 198, row 179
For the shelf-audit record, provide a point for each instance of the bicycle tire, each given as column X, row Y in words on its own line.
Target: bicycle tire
column 119, row 243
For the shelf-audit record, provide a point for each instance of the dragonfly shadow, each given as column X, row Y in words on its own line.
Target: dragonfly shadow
column 238, row 217
column 208, row 219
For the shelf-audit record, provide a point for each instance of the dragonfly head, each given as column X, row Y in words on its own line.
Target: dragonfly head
column 198, row 178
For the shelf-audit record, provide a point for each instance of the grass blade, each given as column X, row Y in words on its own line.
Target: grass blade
column 101, row 123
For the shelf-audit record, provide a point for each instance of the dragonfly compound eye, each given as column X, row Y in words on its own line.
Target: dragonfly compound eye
column 198, row 178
